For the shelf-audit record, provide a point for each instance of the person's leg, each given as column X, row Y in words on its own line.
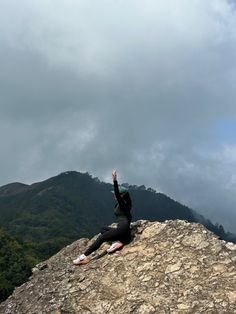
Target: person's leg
column 125, row 232
column 122, row 235
column 112, row 234
column 96, row 244
column 83, row 258
column 105, row 229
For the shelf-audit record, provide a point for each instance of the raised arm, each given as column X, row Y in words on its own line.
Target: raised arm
column 116, row 189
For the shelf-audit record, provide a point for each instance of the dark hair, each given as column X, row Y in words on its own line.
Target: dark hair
column 127, row 199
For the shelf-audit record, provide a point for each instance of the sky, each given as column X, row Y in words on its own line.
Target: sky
column 145, row 87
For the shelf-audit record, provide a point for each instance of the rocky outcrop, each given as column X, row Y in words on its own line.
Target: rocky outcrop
column 170, row 267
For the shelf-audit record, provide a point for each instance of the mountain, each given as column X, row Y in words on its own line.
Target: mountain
column 169, row 267
column 48, row 215
column 13, row 188
column 45, row 216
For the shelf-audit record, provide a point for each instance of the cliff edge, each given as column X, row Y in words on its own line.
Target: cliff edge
column 170, row 267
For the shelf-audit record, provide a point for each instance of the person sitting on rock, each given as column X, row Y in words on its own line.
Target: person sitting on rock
column 119, row 235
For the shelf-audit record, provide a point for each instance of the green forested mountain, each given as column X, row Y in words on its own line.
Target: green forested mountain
column 46, row 216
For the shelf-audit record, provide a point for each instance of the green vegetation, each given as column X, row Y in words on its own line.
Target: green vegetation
column 46, row 216
column 14, row 264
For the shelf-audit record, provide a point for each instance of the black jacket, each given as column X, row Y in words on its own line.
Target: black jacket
column 123, row 207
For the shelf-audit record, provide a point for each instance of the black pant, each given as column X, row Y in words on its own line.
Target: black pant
column 121, row 233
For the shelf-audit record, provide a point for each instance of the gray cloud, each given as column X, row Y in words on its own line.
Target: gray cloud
column 138, row 86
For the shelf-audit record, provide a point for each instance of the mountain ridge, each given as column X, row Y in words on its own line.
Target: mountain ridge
column 12, row 188
column 84, row 185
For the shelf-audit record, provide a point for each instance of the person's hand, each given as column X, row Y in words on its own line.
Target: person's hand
column 114, row 175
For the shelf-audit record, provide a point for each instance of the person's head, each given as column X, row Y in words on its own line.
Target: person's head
column 124, row 193
column 126, row 197
column 122, row 190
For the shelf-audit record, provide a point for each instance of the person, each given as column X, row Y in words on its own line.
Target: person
column 119, row 235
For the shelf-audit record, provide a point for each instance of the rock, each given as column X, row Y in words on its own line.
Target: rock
column 170, row 267
column 196, row 240
column 231, row 246
column 173, row 268
column 183, row 306
column 232, row 296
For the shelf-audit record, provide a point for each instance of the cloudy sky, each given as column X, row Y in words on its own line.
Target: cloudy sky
column 147, row 87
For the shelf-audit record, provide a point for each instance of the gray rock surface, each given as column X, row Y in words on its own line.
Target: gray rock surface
column 171, row 267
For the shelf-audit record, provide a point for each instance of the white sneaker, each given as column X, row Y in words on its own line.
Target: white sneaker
column 115, row 246
column 81, row 260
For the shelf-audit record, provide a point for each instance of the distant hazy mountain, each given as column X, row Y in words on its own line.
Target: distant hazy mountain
column 12, row 188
